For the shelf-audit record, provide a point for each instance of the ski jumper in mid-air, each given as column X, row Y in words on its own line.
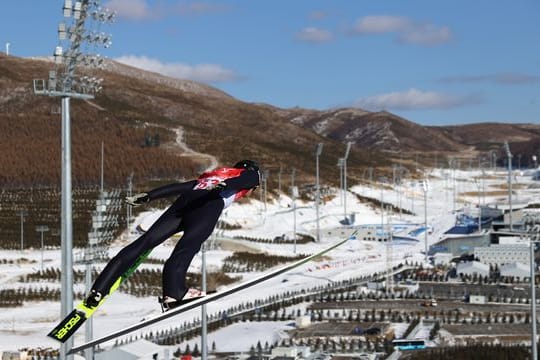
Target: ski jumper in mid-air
column 195, row 212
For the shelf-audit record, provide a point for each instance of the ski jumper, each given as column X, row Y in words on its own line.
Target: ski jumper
column 195, row 212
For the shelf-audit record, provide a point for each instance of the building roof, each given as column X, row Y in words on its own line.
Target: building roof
column 472, row 266
column 515, row 269
column 135, row 350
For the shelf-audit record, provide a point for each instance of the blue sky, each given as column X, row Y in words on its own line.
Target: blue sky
column 434, row 62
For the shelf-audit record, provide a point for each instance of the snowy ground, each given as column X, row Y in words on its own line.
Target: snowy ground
column 28, row 325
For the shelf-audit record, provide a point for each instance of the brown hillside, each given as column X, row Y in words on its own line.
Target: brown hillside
column 380, row 131
column 135, row 106
column 523, row 139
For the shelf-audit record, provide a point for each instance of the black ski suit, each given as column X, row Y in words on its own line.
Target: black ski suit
column 195, row 212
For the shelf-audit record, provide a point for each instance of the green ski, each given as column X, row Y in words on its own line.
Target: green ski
column 67, row 327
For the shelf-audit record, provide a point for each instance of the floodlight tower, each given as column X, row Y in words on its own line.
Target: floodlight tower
column 204, row 318
column 64, row 83
column 509, row 155
column 347, row 150
column 22, row 214
column 294, row 195
column 41, row 229
column 340, row 166
column 318, row 152
column 425, row 189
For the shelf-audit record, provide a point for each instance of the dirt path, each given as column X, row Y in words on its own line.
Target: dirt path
column 180, row 144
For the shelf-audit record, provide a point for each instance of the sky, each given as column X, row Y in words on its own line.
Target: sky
column 434, row 62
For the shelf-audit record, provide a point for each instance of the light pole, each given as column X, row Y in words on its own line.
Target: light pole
column 279, row 180
column 382, row 180
column 340, row 166
column 347, row 150
column 22, row 214
column 128, row 207
column 479, row 205
column 318, row 151
column 63, row 83
column 265, row 174
column 509, row 155
column 425, row 188
column 204, row 323
column 294, row 195
column 533, row 303
column 42, row 229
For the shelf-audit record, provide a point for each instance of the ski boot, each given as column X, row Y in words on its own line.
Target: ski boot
column 93, row 299
column 168, row 303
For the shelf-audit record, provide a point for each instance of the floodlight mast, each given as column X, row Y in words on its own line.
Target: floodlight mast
column 62, row 83
column 347, row 150
column 318, row 152
column 509, row 155
column 425, row 188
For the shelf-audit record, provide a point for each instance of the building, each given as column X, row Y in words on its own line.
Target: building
column 442, row 258
column 294, row 352
column 374, row 233
column 303, row 321
column 138, row 350
column 460, row 245
column 477, row 299
column 502, row 254
column 472, row 268
column 516, row 270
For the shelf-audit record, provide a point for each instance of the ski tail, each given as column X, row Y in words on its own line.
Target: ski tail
column 68, row 326
column 73, row 321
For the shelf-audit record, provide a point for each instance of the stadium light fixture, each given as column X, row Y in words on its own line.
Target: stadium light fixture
column 67, row 9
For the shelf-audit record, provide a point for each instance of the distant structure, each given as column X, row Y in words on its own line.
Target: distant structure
column 7, row 48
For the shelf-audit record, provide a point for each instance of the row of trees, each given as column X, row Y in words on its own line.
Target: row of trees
column 246, row 261
column 16, row 297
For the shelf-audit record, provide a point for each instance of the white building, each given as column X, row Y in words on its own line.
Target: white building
column 477, row 299
column 374, row 233
column 295, row 352
column 473, row 267
column 303, row 321
column 442, row 258
column 138, row 350
column 502, row 254
column 516, row 269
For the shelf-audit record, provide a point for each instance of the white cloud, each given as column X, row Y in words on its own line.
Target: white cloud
column 426, row 34
column 317, row 15
column 414, row 99
column 499, row 78
column 142, row 10
column 407, row 30
column 131, row 9
column 311, row 34
column 377, row 24
column 206, row 73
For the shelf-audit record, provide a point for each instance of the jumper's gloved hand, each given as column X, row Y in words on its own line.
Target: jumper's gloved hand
column 217, row 186
column 137, row 199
